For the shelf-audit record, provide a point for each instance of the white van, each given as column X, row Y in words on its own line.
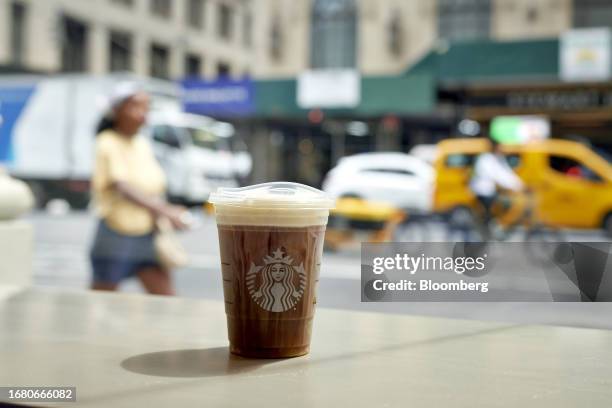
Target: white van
column 195, row 153
column 47, row 136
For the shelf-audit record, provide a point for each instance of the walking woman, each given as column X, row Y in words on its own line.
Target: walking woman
column 128, row 189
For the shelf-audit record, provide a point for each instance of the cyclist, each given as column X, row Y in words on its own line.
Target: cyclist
column 491, row 172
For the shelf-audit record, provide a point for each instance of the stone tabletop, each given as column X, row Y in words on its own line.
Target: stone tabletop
column 126, row 350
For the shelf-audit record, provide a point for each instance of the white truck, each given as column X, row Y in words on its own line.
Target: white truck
column 47, row 135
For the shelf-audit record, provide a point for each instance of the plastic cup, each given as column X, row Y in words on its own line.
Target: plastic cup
column 271, row 239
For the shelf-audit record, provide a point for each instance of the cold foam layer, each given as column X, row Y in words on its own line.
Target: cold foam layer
column 278, row 204
column 274, row 217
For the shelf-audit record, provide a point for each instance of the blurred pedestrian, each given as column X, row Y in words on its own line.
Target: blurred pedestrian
column 128, row 189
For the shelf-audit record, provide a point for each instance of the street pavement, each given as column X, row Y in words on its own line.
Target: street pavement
column 60, row 260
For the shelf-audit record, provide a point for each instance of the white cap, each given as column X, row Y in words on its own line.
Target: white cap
column 122, row 92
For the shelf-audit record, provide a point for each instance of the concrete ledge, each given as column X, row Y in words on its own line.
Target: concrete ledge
column 16, row 246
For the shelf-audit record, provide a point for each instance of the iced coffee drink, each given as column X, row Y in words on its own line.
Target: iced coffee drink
column 271, row 240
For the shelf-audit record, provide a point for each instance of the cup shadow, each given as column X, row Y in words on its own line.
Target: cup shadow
column 192, row 363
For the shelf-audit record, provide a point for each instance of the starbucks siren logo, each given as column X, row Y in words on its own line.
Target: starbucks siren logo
column 277, row 285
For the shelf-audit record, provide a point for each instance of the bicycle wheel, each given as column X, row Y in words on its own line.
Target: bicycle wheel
column 412, row 231
column 541, row 243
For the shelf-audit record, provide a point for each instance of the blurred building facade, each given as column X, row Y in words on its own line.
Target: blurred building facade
column 264, row 38
column 160, row 38
column 470, row 50
column 424, row 65
column 386, row 36
column 389, row 35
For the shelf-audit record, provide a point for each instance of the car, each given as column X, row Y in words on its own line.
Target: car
column 426, row 152
column 399, row 179
column 571, row 181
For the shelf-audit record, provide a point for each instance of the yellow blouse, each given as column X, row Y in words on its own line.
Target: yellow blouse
column 130, row 160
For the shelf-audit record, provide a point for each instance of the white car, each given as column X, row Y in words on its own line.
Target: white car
column 398, row 179
column 425, row 152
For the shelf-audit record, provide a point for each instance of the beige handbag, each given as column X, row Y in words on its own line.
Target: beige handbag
column 169, row 250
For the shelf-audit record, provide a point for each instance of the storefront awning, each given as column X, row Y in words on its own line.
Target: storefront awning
column 450, row 66
column 381, row 95
column 508, row 61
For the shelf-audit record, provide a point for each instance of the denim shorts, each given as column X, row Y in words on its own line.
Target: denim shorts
column 116, row 257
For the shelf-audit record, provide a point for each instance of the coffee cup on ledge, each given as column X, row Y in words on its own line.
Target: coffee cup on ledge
column 271, row 240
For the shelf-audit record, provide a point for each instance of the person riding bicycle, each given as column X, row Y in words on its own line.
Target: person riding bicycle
column 491, row 172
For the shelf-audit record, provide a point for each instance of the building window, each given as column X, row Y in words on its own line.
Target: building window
column 124, row 3
column 159, row 61
column 74, row 45
column 395, row 35
column 120, row 51
column 193, row 65
column 161, row 8
column 247, row 29
column 276, row 40
column 532, row 14
column 334, row 34
column 195, row 13
column 223, row 70
column 464, row 19
column 18, row 31
column 225, row 21
column 592, row 13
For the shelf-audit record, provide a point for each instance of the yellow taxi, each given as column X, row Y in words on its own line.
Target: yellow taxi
column 572, row 182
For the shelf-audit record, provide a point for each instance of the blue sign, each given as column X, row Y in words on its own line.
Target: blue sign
column 13, row 100
column 223, row 97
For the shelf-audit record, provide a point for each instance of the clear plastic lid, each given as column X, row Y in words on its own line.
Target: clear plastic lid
column 273, row 195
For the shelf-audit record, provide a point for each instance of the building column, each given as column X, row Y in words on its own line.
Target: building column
column 5, row 34
column 337, row 133
column 388, row 141
column 141, row 56
column 388, row 135
column 258, row 144
column 274, row 159
column 43, row 36
column 180, row 44
column 98, row 45
column 177, row 56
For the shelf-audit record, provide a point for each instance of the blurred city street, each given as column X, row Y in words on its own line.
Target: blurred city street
column 450, row 159
column 64, row 263
column 62, row 244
